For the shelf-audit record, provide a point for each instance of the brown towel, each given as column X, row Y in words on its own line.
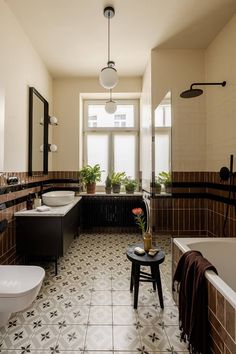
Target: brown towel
column 193, row 300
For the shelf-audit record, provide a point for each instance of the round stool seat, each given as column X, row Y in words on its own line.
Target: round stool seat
column 137, row 275
column 145, row 259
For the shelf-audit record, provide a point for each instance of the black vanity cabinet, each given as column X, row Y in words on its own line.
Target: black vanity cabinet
column 47, row 234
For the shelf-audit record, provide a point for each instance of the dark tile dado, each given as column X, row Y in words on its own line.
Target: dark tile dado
column 13, row 199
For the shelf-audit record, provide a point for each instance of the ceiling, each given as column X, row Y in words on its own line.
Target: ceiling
column 71, row 35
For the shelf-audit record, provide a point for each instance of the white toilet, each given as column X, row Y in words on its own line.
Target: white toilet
column 19, row 286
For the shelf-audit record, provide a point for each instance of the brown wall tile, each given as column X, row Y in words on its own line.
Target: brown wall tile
column 220, row 307
column 230, row 319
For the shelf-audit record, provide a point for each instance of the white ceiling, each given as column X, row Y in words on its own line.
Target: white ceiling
column 71, row 35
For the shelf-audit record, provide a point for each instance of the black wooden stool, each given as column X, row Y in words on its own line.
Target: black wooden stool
column 137, row 275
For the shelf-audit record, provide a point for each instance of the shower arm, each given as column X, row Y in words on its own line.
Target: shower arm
column 208, row 83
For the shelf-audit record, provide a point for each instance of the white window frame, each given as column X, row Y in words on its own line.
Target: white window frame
column 111, row 131
column 134, row 103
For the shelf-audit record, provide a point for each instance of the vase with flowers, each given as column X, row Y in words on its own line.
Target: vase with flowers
column 141, row 222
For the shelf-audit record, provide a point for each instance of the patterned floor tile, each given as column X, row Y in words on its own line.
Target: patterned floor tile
column 17, row 337
column 99, row 338
column 146, row 297
column 170, row 315
column 173, row 335
column 44, row 337
column 96, row 352
column 153, row 338
column 148, row 316
column 120, row 283
column 100, row 315
column 100, row 297
column 102, row 284
column 121, row 297
column 77, row 315
column 124, row 315
column 126, row 338
column 89, row 304
column 72, row 338
column 83, row 298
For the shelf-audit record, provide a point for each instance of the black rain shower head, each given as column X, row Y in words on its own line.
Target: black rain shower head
column 192, row 92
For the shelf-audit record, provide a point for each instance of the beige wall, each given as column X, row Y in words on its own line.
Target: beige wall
column 146, row 128
column 67, row 107
column 221, row 102
column 174, row 70
column 20, row 67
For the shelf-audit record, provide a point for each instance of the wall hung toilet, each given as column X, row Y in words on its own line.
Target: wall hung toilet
column 19, row 286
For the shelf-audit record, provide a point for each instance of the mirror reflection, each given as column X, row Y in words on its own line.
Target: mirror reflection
column 163, row 123
column 38, row 133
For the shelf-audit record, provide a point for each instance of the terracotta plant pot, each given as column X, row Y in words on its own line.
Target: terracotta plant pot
column 91, row 187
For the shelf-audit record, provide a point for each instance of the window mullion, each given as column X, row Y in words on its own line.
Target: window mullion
column 111, row 152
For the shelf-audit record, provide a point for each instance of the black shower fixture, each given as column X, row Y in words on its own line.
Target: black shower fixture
column 225, row 172
column 194, row 92
column 225, row 175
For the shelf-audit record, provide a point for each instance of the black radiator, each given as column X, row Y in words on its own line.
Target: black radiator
column 102, row 213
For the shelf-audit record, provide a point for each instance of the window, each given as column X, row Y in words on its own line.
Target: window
column 120, row 120
column 92, row 121
column 111, row 140
column 163, row 136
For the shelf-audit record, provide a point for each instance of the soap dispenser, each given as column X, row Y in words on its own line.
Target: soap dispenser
column 37, row 201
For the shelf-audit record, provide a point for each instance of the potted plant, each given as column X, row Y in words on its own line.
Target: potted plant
column 165, row 178
column 130, row 185
column 157, row 187
column 89, row 176
column 116, row 180
column 108, row 187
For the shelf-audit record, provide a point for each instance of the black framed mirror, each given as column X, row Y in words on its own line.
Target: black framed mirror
column 38, row 133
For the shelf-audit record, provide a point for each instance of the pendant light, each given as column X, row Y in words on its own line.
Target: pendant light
column 108, row 75
column 110, row 106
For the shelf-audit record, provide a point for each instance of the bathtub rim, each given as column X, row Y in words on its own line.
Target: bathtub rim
column 214, row 279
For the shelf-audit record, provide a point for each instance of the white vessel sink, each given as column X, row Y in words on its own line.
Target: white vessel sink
column 58, row 198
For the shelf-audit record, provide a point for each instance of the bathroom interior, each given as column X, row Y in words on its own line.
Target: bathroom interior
column 64, row 272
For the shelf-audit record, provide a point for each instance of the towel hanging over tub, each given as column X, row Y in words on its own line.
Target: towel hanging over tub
column 193, row 300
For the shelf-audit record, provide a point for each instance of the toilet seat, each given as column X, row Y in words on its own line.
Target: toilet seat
column 16, row 281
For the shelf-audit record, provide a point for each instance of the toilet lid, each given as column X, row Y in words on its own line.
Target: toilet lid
column 17, row 280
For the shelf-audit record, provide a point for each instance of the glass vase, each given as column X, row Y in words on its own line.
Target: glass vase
column 147, row 241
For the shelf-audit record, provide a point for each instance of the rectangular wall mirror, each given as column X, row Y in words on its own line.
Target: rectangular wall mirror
column 38, row 133
column 162, row 150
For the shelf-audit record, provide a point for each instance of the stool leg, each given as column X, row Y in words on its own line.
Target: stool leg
column 159, row 287
column 136, row 284
column 153, row 277
column 132, row 278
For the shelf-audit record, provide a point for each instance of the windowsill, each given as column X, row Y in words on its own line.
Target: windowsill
column 103, row 194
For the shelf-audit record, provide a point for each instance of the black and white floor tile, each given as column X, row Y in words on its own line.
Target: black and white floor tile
column 88, row 308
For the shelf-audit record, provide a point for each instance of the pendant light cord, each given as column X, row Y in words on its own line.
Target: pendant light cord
column 108, row 37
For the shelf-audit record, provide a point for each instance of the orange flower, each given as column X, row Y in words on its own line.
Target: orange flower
column 139, row 218
column 137, row 211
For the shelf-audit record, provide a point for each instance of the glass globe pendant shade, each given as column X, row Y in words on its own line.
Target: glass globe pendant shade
column 110, row 107
column 52, row 147
column 108, row 77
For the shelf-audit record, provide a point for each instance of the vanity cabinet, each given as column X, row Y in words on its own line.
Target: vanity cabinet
column 47, row 234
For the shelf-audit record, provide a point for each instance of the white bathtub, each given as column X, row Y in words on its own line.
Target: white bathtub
column 221, row 252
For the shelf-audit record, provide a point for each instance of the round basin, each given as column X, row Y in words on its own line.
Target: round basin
column 57, row 198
